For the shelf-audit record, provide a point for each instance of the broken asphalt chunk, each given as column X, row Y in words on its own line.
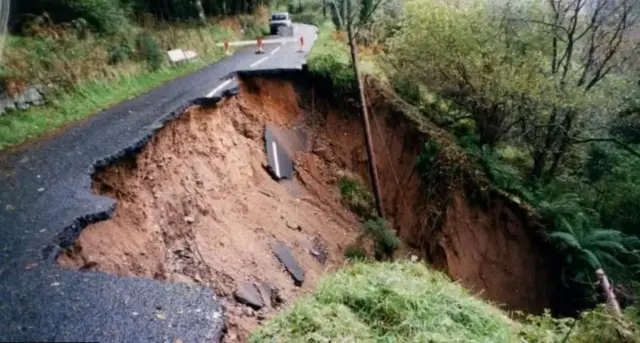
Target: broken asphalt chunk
column 283, row 253
column 248, row 294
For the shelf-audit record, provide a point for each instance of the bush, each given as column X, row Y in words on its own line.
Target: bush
column 355, row 252
column 407, row 90
column 118, row 53
column 356, row 196
column 252, row 28
column 386, row 241
column 149, row 51
column 106, row 16
column 338, row 75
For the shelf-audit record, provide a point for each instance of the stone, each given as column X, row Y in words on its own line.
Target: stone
column 266, row 292
column 284, row 255
column 34, row 97
column 248, row 294
column 248, row 312
column 294, row 226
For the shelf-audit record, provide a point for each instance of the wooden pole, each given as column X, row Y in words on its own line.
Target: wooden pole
column 373, row 171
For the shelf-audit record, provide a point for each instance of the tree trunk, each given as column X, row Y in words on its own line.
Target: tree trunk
column 324, row 9
column 373, row 171
column 608, row 291
column 200, row 9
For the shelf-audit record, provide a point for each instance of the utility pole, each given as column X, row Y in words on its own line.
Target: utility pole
column 373, row 171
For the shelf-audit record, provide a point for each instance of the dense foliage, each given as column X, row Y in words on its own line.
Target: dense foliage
column 551, row 91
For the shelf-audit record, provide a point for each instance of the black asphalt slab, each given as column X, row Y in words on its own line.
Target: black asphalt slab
column 46, row 200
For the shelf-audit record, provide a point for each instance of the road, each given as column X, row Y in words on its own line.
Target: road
column 45, row 200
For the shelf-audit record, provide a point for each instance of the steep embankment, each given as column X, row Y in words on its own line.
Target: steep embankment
column 196, row 205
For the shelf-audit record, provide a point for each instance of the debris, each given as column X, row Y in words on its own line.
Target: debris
column 40, row 190
column 283, row 253
column 55, row 284
column 319, row 250
column 267, row 292
column 294, row 226
column 248, row 294
column 30, row 266
column 189, row 219
column 248, row 312
column 414, row 258
column 160, row 315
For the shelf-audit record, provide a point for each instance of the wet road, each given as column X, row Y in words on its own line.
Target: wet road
column 45, row 200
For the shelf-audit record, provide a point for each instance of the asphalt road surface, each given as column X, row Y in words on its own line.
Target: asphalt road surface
column 45, row 200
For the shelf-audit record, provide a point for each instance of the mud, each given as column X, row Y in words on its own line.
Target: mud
column 196, row 205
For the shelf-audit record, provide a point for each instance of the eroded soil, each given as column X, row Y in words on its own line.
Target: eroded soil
column 196, row 205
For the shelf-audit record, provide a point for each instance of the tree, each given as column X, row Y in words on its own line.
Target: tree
column 535, row 74
column 589, row 41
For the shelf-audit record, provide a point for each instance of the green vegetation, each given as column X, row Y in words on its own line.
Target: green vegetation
column 88, row 56
column 406, row 302
column 81, row 103
column 539, row 111
column 356, row 196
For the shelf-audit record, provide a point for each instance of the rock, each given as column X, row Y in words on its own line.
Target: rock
column 267, row 292
column 189, row 219
column 32, row 96
column 248, row 312
column 294, row 226
column 248, row 294
column 283, row 253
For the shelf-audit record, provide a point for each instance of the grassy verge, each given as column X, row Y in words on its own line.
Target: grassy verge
column 329, row 59
column 82, row 102
column 406, row 302
column 85, row 74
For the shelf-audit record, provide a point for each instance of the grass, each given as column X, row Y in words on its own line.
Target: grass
column 356, row 196
column 18, row 126
column 330, row 60
column 389, row 302
column 407, row 302
column 81, row 79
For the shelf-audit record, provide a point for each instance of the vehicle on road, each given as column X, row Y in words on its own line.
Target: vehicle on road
column 278, row 21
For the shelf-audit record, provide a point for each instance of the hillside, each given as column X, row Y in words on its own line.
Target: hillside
column 506, row 152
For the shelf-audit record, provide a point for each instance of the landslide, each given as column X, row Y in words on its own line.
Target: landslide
column 196, row 204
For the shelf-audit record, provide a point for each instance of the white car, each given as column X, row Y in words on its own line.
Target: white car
column 280, row 20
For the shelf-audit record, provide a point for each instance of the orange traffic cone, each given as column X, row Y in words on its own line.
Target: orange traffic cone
column 301, row 44
column 260, row 48
column 226, row 47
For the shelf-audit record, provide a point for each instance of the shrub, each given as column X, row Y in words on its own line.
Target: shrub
column 118, row 53
column 106, row 16
column 149, row 51
column 356, row 196
column 355, row 252
column 386, row 241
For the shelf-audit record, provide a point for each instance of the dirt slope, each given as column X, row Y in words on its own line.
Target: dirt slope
column 196, row 205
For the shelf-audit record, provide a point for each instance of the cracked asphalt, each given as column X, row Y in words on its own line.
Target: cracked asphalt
column 46, row 200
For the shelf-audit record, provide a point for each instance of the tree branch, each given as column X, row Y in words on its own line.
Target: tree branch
column 607, row 140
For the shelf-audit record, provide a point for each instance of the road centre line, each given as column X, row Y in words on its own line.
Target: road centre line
column 217, row 89
column 274, row 51
column 258, row 62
